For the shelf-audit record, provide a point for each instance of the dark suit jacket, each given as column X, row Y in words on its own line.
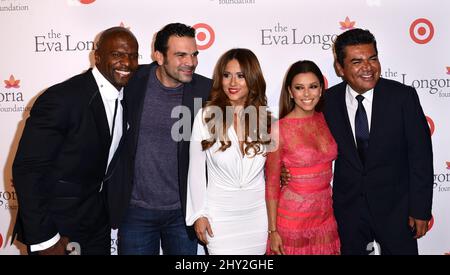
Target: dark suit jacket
column 61, row 162
column 398, row 176
column 121, row 184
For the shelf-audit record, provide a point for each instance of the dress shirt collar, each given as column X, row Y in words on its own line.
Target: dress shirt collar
column 107, row 90
column 351, row 96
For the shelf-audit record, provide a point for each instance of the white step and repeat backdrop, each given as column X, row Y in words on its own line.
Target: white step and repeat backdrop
column 47, row 41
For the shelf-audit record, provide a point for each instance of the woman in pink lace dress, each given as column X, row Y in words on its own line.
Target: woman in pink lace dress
column 301, row 219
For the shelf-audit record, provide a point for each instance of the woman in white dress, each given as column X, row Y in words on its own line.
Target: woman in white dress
column 226, row 185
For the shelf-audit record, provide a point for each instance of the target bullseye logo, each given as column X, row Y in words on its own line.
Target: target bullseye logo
column 87, row 2
column 204, row 35
column 421, row 31
column 431, row 124
column 430, row 223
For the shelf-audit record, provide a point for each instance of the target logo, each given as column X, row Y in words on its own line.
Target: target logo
column 421, row 31
column 431, row 124
column 430, row 223
column 87, row 1
column 325, row 82
column 79, row 3
column 204, row 35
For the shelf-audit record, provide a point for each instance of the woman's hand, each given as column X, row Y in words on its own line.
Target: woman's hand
column 276, row 244
column 201, row 226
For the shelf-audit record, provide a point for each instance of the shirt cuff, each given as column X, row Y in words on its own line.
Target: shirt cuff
column 46, row 244
column 198, row 216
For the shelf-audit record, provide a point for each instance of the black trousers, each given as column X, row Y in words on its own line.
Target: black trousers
column 88, row 228
column 364, row 238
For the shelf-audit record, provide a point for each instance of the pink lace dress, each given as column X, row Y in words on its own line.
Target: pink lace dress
column 305, row 219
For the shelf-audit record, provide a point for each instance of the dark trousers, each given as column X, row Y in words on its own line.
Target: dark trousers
column 362, row 238
column 86, row 224
column 94, row 234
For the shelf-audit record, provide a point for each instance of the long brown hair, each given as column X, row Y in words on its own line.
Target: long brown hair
column 287, row 103
column 256, row 84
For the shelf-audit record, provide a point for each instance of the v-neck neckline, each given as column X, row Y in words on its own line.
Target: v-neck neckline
column 241, row 151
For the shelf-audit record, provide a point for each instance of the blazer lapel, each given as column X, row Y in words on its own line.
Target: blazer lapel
column 348, row 140
column 377, row 119
column 98, row 111
column 134, row 96
column 119, row 149
column 186, row 101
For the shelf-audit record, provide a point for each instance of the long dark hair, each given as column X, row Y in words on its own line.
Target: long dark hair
column 287, row 103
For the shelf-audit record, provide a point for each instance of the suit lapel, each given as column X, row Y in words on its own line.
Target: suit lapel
column 98, row 111
column 134, row 95
column 186, row 101
column 377, row 118
column 119, row 149
column 348, row 139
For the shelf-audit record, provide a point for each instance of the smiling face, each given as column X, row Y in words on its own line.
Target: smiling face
column 117, row 58
column 305, row 89
column 178, row 65
column 361, row 67
column 234, row 83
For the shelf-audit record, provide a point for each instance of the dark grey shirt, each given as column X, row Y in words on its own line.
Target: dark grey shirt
column 156, row 165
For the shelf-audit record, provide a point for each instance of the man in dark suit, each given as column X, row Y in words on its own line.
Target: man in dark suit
column 148, row 205
column 65, row 154
column 383, row 176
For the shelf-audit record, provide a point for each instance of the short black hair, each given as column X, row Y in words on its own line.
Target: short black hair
column 108, row 33
column 177, row 29
column 350, row 38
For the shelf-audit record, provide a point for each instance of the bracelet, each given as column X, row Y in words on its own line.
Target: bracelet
column 271, row 231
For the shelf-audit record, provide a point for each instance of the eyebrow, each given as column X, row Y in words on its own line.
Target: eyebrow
column 315, row 82
column 238, row 72
column 370, row 57
column 185, row 53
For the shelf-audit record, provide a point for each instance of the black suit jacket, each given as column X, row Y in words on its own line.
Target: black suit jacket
column 121, row 184
column 397, row 179
column 61, row 162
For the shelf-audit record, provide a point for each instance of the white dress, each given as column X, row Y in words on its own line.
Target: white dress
column 233, row 198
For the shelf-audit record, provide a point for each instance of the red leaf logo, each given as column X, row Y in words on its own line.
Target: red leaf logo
column 123, row 25
column 12, row 82
column 347, row 24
